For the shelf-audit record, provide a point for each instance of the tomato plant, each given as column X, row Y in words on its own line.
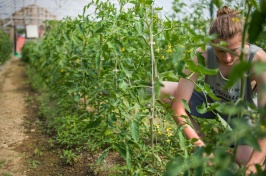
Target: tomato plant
column 5, row 47
column 104, row 71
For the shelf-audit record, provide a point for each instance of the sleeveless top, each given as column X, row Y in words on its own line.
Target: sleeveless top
column 217, row 82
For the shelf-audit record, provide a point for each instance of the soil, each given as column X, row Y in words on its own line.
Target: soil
column 24, row 147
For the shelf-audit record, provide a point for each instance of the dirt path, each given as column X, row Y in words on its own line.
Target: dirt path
column 12, row 112
column 25, row 149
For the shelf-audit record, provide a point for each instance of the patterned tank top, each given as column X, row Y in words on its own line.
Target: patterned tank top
column 217, row 82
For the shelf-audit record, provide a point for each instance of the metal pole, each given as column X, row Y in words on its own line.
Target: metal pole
column 14, row 28
column 24, row 19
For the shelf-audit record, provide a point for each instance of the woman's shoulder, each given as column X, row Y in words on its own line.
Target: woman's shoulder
column 260, row 55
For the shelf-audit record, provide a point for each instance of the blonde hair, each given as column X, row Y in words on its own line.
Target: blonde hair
column 227, row 24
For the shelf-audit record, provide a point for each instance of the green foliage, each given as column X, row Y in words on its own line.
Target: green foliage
column 237, row 72
column 69, row 157
column 38, row 152
column 97, row 69
column 2, row 162
column 257, row 22
column 5, row 47
column 26, row 50
column 34, row 164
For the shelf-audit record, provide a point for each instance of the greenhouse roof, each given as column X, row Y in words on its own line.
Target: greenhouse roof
column 62, row 8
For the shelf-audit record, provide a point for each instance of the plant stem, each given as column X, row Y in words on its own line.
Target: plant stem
column 151, row 43
column 242, row 59
column 242, row 55
column 224, row 48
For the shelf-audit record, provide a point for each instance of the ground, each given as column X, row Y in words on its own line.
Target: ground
column 24, row 147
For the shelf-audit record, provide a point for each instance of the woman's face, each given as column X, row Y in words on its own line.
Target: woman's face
column 224, row 57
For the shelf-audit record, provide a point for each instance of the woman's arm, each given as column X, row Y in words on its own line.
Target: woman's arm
column 184, row 91
column 258, row 157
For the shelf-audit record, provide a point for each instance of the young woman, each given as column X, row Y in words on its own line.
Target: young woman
column 228, row 27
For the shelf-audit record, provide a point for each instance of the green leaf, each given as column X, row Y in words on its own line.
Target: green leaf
column 211, row 9
column 218, row 3
column 224, row 172
column 186, row 105
column 111, row 120
column 200, row 69
column 126, row 71
column 121, row 150
column 252, row 141
column 158, row 158
column 199, row 171
column 254, row 3
column 100, row 29
column 256, row 25
column 202, row 108
column 182, row 140
column 66, row 36
column 228, row 109
column 117, row 42
column 123, row 85
column 201, row 59
column 128, row 157
column 208, row 90
column 138, row 27
column 95, row 123
column 236, row 73
column 180, row 68
column 134, row 129
column 103, row 155
column 98, row 58
column 158, row 8
column 142, row 94
column 223, row 122
column 263, row 7
column 76, row 89
column 79, row 27
column 157, row 88
column 259, row 67
column 147, row 2
column 213, row 106
column 245, row 133
column 168, row 23
column 170, row 75
column 110, row 45
column 76, row 97
column 174, row 166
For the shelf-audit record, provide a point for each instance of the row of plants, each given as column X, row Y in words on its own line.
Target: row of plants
column 102, row 73
column 5, row 47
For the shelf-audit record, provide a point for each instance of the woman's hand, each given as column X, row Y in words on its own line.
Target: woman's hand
column 251, row 169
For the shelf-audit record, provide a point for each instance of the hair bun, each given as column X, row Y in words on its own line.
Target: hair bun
column 225, row 10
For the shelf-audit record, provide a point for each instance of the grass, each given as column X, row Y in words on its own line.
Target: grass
column 34, row 164
column 2, row 162
column 6, row 174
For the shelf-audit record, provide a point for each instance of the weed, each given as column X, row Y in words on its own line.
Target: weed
column 38, row 152
column 2, row 162
column 28, row 99
column 51, row 142
column 34, row 164
column 6, row 174
column 69, row 157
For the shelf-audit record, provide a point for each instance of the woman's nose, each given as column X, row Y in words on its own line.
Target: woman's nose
column 228, row 56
